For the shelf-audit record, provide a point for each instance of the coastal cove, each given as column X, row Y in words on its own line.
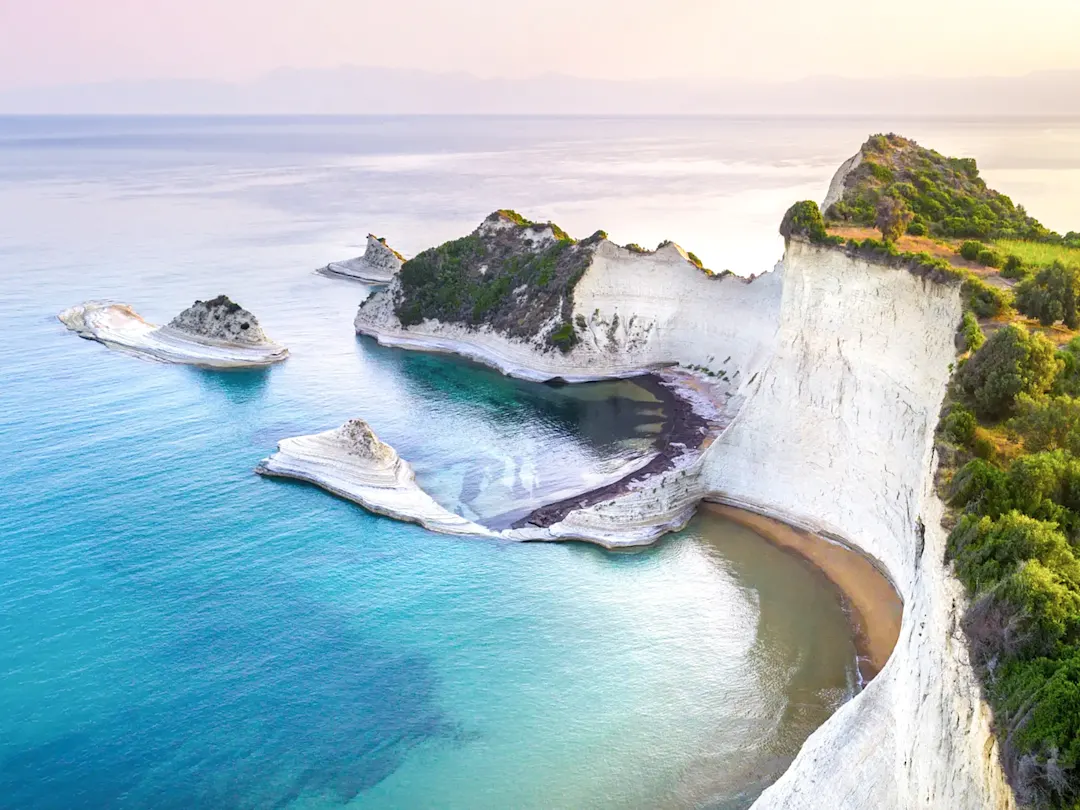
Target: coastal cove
column 793, row 637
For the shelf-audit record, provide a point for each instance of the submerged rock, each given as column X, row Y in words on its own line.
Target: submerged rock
column 379, row 264
column 218, row 333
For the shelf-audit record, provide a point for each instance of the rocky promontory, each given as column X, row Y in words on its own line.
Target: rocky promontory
column 379, row 264
column 217, row 333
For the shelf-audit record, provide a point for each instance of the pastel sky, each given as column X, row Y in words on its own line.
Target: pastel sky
column 68, row 41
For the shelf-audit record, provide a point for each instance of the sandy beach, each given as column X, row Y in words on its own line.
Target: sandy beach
column 874, row 605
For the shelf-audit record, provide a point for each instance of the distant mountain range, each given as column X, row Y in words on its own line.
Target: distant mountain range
column 352, row 90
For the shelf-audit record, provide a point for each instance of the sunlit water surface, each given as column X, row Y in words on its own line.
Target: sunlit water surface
column 177, row 632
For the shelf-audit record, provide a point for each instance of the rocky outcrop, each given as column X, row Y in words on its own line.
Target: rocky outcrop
column 351, row 462
column 219, row 320
column 213, row 334
column 836, row 186
column 379, row 264
column 632, row 312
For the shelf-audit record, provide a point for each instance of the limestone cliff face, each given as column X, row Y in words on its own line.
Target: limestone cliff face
column 221, row 320
column 632, row 312
column 836, row 435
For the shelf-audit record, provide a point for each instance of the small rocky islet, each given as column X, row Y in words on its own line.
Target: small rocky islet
column 217, row 333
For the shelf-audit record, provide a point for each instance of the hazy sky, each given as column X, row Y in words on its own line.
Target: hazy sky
column 64, row 41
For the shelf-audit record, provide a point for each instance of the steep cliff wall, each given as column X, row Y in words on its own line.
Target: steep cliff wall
column 632, row 311
column 836, row 435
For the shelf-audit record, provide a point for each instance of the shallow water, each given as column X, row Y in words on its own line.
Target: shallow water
column 175, row 631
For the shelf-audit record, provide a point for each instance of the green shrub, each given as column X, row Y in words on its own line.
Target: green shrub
column 1051, row 295
column 981, row 489
column 990, row 258
column 970, row 250
column 917, row 229
column 1068, row 379
column 804, row 219
column 1014, row 267
column 1047, row 423
column 960, row 425
column 985, row 300
column 892, row 217
column 972, row 333
column 563, row 337
column 1011, row 362
column 983, row 448
column 879, row 171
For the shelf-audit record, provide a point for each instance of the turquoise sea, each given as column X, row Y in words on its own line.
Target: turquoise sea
column 177, row 632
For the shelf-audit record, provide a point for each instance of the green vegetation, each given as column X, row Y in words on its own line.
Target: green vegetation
column 971, row 249
column 1043, row 254
column 1012, row 362
column 804, row 219
column 1015, row 268
column 1051, row 295
column 563, row 337
column 1016, row 548
column 893, row 217
column 972, row 333
column 990, row 258
column 983, row 299
column 945, row 195
column 499, row 278
column 960, row 426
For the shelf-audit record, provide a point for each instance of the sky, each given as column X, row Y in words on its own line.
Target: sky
column 50, row 42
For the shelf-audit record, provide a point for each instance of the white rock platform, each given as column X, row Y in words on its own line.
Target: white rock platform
column 354, row 464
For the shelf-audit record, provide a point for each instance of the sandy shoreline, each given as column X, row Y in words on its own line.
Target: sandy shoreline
column 874, row 605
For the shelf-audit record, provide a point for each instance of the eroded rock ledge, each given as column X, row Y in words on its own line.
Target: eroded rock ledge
column 214, row 334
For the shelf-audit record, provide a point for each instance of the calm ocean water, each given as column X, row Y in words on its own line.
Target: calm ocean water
column 175, row 631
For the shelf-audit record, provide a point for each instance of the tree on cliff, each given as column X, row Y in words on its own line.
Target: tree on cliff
column 893, row 218
column 1013, row 361
column 1051, row 295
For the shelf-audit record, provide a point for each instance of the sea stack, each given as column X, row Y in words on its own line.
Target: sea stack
column 217, row 333
column 379, row 264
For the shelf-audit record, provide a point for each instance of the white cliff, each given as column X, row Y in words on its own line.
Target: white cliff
column 214, row 334
column 353, row 463
column 379, row 264
column 836, row 436
column 640, row 311
column 837, row 367
column 836, row 185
